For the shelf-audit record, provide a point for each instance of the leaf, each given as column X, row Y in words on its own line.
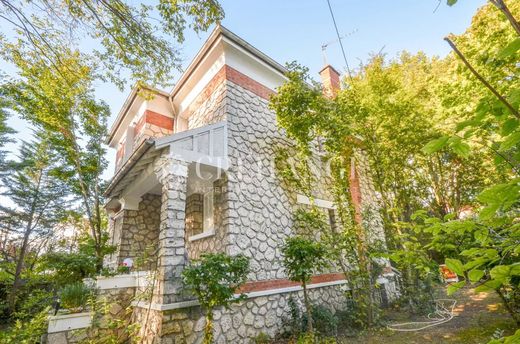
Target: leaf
column 481, row 235
column 510, row 49
column 455, row 265
column 509, row 126
column 488, row 286
column 500, row 273
column 514, row 339
column 435, row 145
column 452, row 288
column 514, row 269
column 475, row 275
column 510, row 141
column 475, row 263
column 451, row 2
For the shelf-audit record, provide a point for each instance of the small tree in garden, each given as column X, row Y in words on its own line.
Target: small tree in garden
column 303, row 258
column 214, row 279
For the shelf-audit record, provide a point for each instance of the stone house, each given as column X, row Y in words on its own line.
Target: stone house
column 195, row 173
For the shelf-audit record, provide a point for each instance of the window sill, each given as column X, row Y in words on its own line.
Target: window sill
column 202, row 235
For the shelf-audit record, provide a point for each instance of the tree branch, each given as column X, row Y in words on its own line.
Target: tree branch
column 481, row 79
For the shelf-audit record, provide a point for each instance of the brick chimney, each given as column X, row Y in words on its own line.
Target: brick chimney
column 330, row 81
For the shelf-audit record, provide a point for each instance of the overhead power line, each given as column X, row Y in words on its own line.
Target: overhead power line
column 339, row 39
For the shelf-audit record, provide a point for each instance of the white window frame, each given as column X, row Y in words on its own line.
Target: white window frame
column 208, row 216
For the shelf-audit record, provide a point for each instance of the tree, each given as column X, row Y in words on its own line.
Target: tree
column 302, row 258
column 487, row 56
column 214, row 279
column 37, row 199
column 5, row 130
column 62, row 105
column 134, row 38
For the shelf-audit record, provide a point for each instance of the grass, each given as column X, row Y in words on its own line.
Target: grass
column 479, row 318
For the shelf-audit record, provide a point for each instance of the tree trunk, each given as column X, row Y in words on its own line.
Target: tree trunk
column 23, row 250
column 511, row 311
column 208, row 329
column 308, row 308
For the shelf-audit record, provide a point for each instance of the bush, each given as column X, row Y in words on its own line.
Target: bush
column 26, row 332
column 214, row 279
column 75, row 296
column 325, row 322
column 262, row 338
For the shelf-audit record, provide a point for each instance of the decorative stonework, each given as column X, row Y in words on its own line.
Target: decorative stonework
column 216, row 242
column 243, row 321
column 172, row 255
column 253, row 215
column 194, row 214
column 210, row 109
column 152, row 125
column 139, row 230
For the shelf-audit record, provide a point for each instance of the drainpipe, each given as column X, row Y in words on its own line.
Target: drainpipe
column 175, row 117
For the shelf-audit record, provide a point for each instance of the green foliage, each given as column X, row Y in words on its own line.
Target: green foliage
column 303, row 258
column 131, row 39
column 62, row 105
column 262, row 338
column 214, row 279
column 5, row 131
column 325, row 323
column 75, row 296
column 36, row 206
column 515, row 338
column 28, row 332
column 68, row 268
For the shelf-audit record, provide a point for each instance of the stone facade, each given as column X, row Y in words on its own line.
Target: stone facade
column 136, row 232
column 216, row 242
column 268, row 314
column 209, row 110
column 194, row 214
column 253, row 215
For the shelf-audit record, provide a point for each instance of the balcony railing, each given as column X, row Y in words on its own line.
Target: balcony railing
column 206, row 145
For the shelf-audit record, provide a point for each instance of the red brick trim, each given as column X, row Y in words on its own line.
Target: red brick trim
column 236, row 77
column 159, row 120
column 249, row 84
column 355, row 192
column 152, row 117
column 285, row 283
column 207, row 91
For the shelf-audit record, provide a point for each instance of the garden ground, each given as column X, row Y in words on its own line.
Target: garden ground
column 477, row 318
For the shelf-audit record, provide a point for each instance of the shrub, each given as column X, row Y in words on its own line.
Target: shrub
column 325, row 322
column 26, row 332
column 303, row 258
column 214, row 279
column 75, row 296
column 262, row 338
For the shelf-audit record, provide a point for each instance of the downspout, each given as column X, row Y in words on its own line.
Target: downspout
column 175, row 117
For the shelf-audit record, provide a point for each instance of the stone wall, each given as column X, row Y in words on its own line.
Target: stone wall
column 139, row 231
column 371, row 206
column 194, row 214
column 242, row 322
column 211, row 110
column 262, row 207
column 216, row 242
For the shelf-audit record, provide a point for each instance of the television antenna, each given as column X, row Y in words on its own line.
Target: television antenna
column 324, row 46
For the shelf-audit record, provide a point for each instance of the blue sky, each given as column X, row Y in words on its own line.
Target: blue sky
column 295, row 30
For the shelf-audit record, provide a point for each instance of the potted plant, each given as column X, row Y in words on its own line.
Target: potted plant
column 75, row 296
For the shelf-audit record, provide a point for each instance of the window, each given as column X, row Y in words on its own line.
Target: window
column 207, row 215
column 207, row 227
